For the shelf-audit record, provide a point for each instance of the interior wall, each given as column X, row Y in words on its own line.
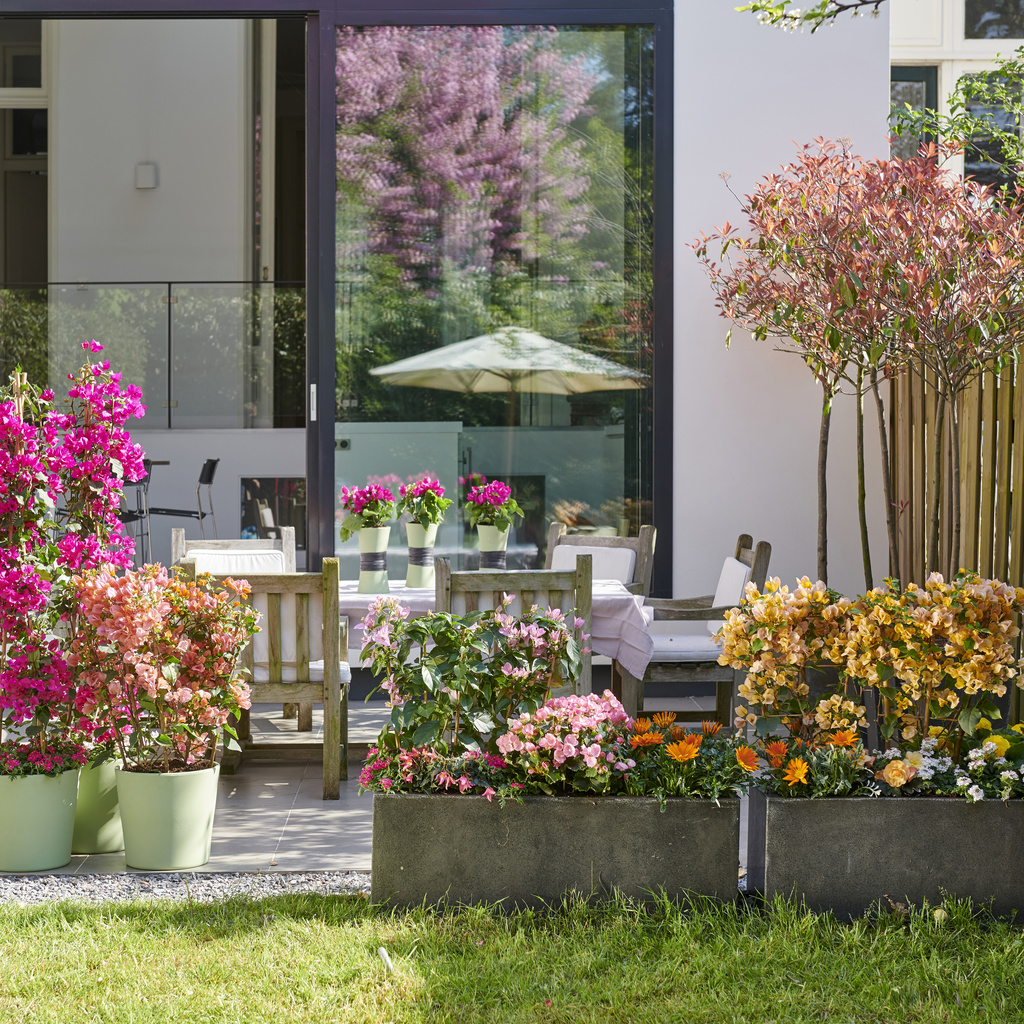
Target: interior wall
column 169, row 93
column 746, row 419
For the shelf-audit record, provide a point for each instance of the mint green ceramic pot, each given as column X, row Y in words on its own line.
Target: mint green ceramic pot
column 98, row 820
column 37, row 819
column 167, row 818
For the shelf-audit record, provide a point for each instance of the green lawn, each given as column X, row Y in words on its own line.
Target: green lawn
column 315, row 959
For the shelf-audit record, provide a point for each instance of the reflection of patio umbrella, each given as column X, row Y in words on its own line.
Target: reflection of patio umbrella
column 511, row 359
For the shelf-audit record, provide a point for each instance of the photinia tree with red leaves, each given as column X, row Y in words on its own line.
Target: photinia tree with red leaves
column 875, row 267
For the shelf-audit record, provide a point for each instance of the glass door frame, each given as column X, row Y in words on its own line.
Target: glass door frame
column 322, row 20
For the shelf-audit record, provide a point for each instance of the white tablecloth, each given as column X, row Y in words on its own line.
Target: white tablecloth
column 618, row 627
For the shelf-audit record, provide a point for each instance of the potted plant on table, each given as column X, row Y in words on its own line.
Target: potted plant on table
column 425, row 503
column 915, row 820
column 61, row 474
column 577, row 797
column 491, row 509
column 158, row 656
column 369, row 509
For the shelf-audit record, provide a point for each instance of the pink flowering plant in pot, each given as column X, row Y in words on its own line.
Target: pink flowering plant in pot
column 158, row 657
column 492, row 504
column 453, row 681
column 423, row 501
column 367, row 507
column 62, row 469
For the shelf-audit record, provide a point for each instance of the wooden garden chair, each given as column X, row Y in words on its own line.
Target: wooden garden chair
column 464, row 592
column 297, row 657
column 630, row 560
column 682, row 656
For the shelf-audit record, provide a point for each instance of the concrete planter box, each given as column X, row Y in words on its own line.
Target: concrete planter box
column 845, row 853
column 462, row 849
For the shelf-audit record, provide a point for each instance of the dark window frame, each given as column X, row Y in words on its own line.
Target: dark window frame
column 322, row 18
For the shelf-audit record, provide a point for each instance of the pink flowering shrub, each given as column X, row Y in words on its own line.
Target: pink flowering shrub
column 454, row 680
column 369, row 506
column 574, row 743
column 426, row 770
column 424, row 500
column 492, row 504
column 158, row 657
column 61, row 477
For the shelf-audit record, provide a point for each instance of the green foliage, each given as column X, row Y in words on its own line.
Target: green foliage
column 454, row 680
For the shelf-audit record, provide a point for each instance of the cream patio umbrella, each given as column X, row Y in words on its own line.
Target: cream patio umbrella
column 511, row 359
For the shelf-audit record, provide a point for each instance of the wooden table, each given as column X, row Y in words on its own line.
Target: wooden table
column 618, row 627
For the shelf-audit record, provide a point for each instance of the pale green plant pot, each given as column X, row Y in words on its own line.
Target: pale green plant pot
column 493, row 543
column 38, row 819
column 421, row 551
column 167, row 818
column 373, row 560
column 98, row 818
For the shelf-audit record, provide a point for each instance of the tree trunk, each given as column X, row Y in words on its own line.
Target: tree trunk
column 862, row 494
column 954, row 444
column 890, row 507
column 936, row 484
column 826, row 418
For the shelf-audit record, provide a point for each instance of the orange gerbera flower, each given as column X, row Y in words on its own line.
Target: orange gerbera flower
column 746, row 758
column 796, row 771
column 642, row 725
column 776, row 752
column 710, row 728
column 686, row 749
column 663, row 719
column 645, row 739
column 842, row 738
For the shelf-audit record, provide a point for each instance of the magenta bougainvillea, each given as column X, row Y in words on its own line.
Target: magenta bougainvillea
column 61, row 478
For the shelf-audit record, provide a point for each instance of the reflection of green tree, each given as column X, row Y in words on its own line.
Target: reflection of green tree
column 23, row 334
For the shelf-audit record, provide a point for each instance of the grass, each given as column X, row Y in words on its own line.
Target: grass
column 315, row 959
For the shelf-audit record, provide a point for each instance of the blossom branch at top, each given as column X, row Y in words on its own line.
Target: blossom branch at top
column 783, row 14
column 367, row 507
column 492, row 504
column 424, row 500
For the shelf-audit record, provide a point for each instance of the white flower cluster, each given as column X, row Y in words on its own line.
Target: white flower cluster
column 926, row 761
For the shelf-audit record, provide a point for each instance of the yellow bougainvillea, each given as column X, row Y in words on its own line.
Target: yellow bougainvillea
column 934, row 651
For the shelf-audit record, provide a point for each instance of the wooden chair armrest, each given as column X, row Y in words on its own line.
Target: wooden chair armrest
column 692, row 614
column 637, row 589
column 680, row 602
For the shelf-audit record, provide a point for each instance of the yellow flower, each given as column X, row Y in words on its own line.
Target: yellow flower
column 984, row 723
column 1002, row 744
column 796, row 771
column 1018, row 728
column 897, row 773
column 663, row 719
column 686, row 749
column 642, row 725
column 746, row 758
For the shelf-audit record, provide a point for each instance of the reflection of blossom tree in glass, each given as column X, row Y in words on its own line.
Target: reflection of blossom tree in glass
column 455, row 145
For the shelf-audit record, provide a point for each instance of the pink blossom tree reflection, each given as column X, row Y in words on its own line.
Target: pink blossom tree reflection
column 454, row 149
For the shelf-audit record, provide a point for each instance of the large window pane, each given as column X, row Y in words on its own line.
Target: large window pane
column 496, row 183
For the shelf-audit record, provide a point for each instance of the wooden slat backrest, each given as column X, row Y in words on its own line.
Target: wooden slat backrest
column 643, row 546
column 466, row 592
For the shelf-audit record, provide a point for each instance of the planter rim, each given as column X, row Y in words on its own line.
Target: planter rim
column 575, row 797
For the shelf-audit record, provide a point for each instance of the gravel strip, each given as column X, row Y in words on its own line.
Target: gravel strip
column 178, row 885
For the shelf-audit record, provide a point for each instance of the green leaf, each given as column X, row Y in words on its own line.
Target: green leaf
column 426, row 733
column 969, row 719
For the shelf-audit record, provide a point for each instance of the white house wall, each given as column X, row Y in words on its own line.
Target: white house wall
column 168, row 93
column 746, row 419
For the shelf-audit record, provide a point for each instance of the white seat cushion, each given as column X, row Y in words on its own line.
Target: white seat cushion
column 237, row 562
column 684, row 647
column 735, row 576
column 610, row 563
